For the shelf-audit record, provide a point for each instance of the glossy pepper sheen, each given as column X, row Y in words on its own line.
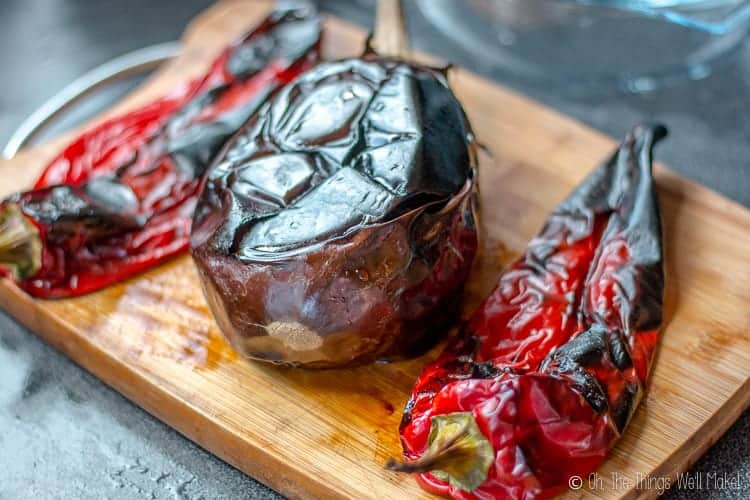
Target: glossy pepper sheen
column 545, row 376
column 338, row 226
column 120, row 198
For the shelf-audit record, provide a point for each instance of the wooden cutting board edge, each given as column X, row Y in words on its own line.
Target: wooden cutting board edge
column 692, row 449
column 178, row 414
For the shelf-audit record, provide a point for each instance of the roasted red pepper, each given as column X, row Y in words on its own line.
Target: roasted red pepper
column 120, row 198
column 545, row 376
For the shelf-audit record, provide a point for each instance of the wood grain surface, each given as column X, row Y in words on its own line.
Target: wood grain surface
column 327, row 434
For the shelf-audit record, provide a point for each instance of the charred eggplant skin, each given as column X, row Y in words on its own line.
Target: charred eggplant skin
column 338, row 226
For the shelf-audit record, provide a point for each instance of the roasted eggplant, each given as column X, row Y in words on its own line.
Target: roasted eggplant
column 338, row 226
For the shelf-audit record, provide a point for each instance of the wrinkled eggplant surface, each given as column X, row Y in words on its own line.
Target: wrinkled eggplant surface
column 338, row 226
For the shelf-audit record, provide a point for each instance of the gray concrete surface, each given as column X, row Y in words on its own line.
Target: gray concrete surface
column 64, row 434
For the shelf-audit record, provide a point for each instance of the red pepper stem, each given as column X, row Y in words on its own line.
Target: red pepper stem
column 449, row 449
column 20, row 243
column 458, row 452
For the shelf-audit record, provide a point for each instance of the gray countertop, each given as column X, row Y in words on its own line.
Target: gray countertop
column 64, row 434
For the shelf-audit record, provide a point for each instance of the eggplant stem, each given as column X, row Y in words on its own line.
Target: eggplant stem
column 391, row 39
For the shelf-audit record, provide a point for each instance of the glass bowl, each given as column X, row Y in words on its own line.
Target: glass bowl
column 636, row 45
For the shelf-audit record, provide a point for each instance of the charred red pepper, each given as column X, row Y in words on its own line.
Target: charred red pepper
column 545, row 376
column 120, row 198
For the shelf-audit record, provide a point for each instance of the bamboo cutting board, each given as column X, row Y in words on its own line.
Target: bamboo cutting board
column 327, row 434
